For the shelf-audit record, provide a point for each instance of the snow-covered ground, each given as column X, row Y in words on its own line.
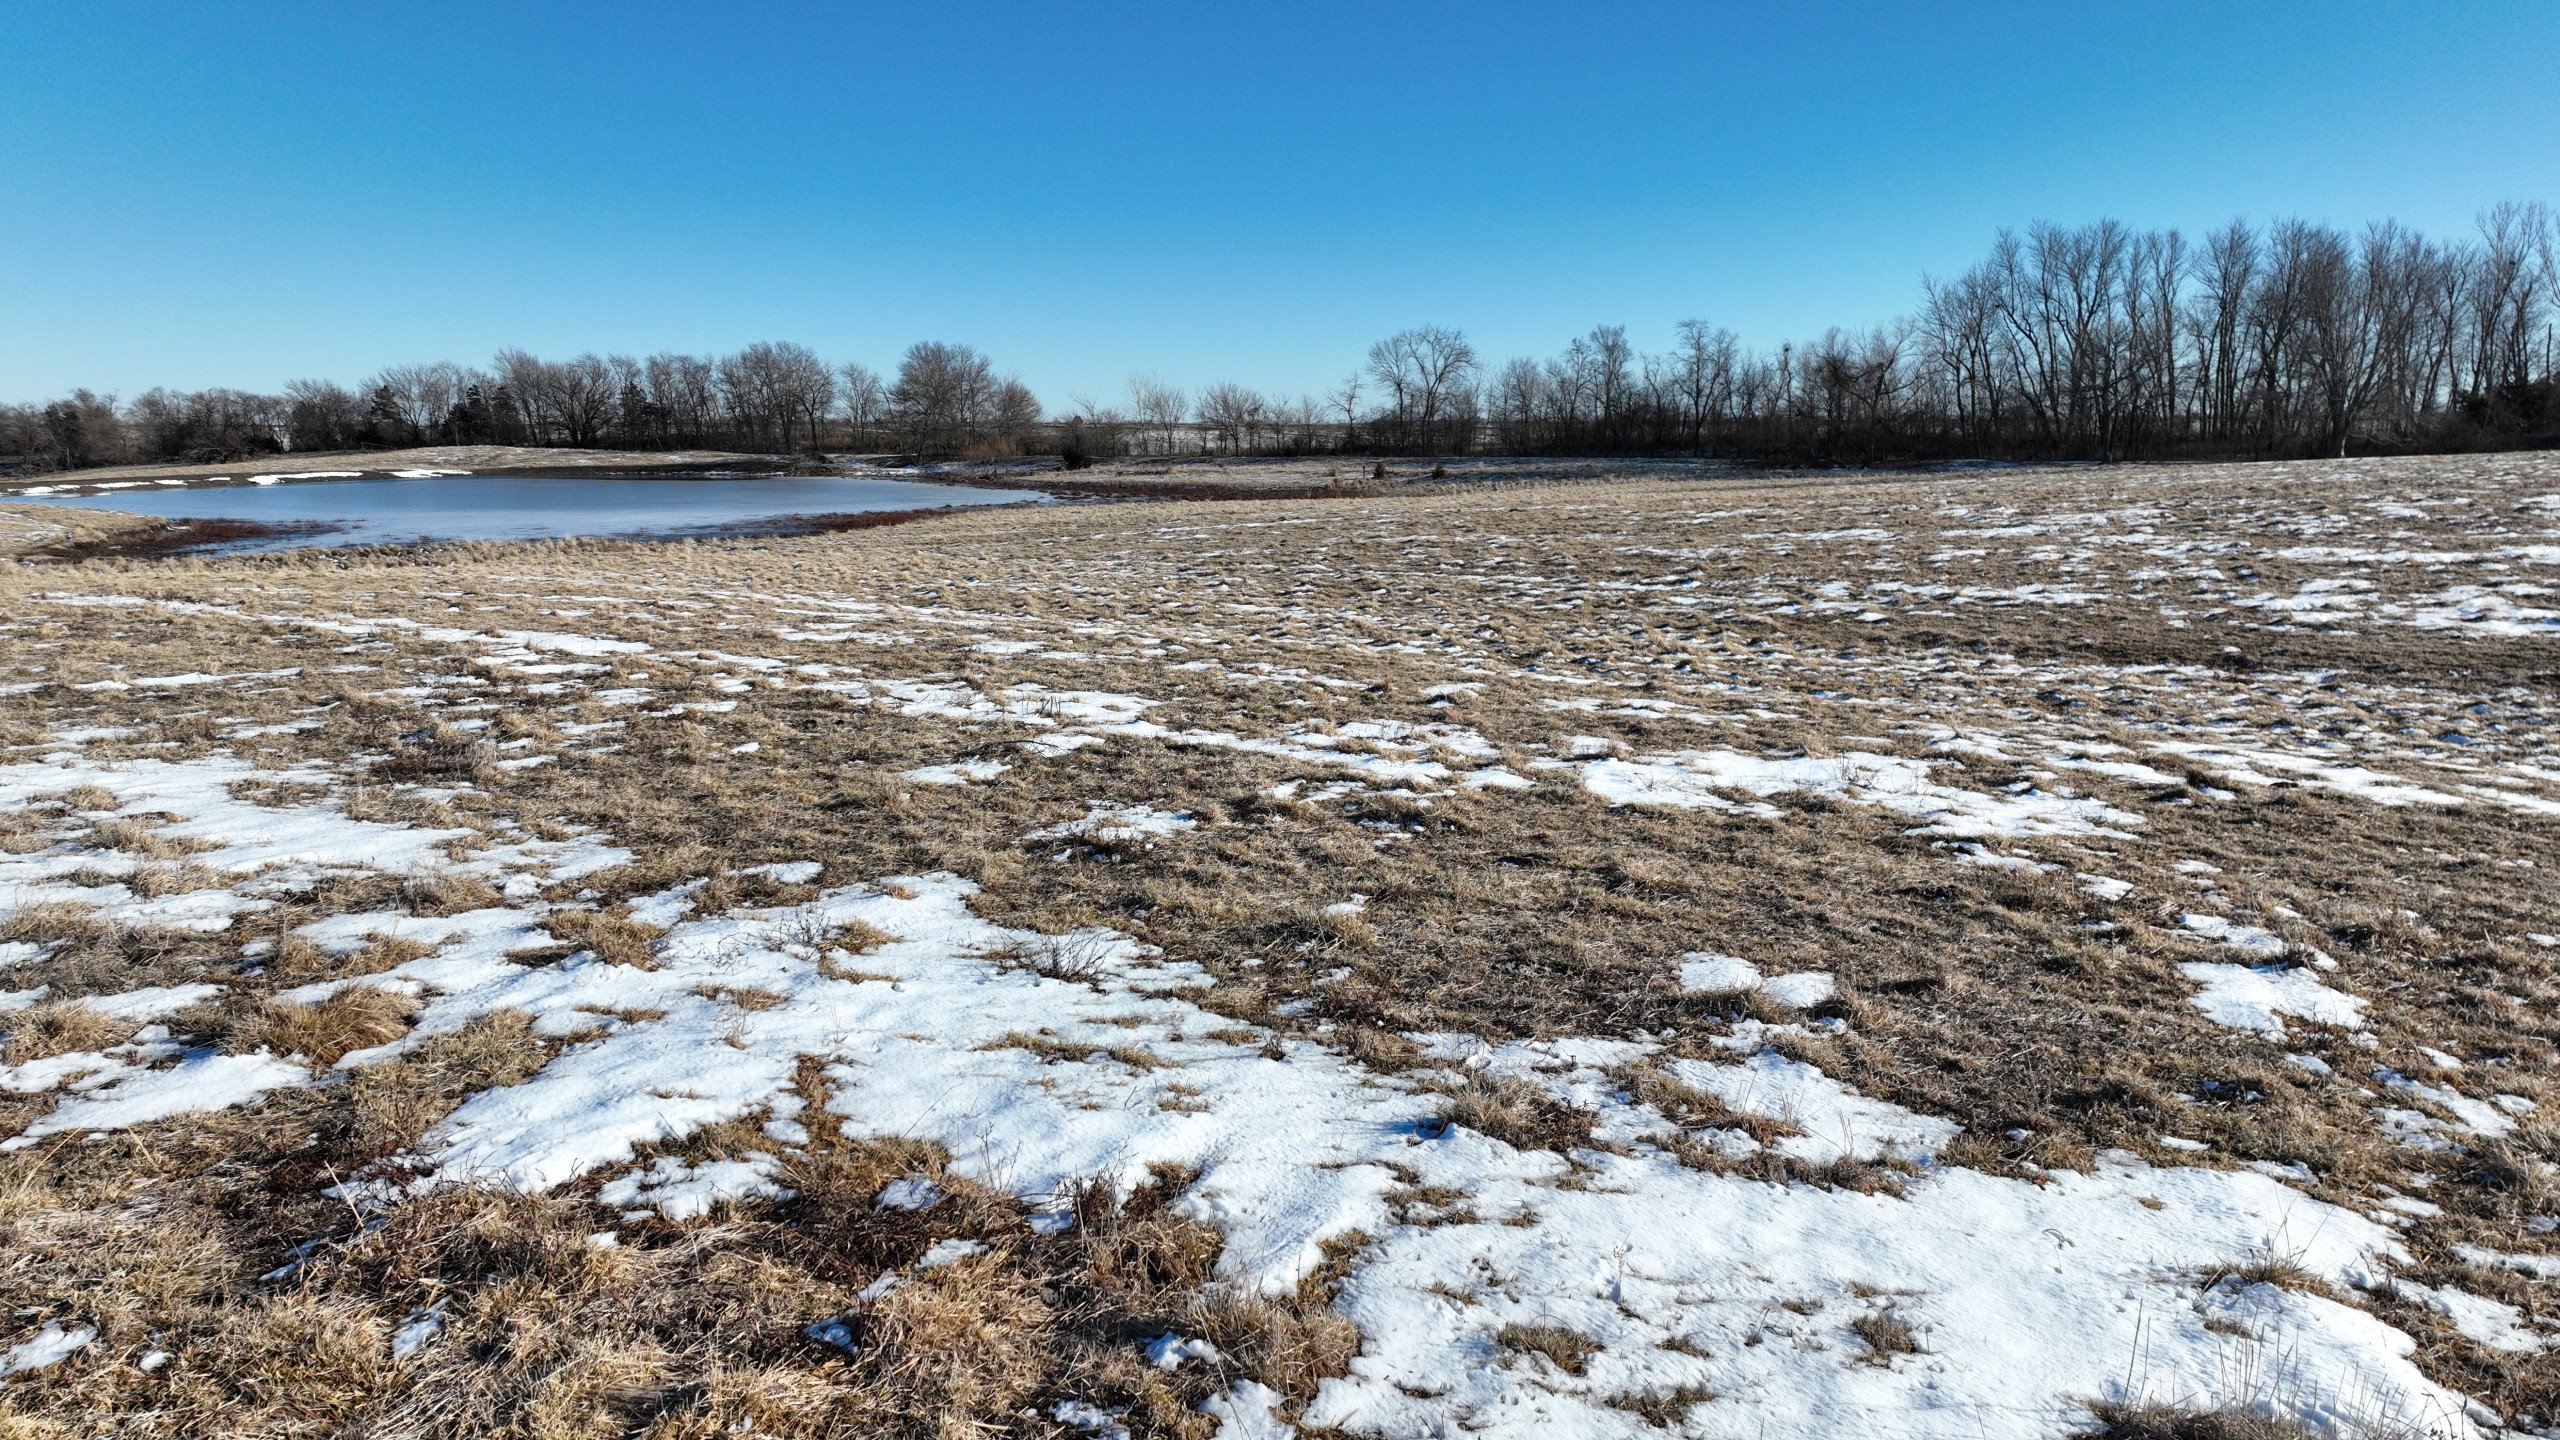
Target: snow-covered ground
column 1682, row 1279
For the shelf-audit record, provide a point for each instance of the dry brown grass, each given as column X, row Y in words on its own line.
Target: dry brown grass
column 1694, row 1109
column 35, row 530
column 142, row 838
column 57, row 1028
column 1568, row 1350
column 2049, row 1023
column 1053, row 1048
column 1515, row 1112
column 614, row 936
column 91, row 799
column 48, row 922
column 448, row 894
column 358, row 1017
column 152, row 882
column 2119, row 1421
column 437, row 755
column 388, row 1106
column 1885, row 1335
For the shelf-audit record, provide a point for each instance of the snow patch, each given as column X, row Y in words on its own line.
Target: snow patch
column 2254, row 997
column 1702, row 779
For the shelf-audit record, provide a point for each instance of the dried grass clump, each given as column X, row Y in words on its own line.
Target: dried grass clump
column 2270, row 1269
column 1053, row 1048
column 843, row 1234
column 359, row 1017
column 1876, row 1175
column 388, row 1106
column 445, row 893
column 151, row 882
column 2120, row 1420
column 91, row 799
column 1515, row 1112
column 743, row 997
column 1886, row 1335
column 1292, row 1345
column 1695, row 1109
column 1879, row 1175
column 1569, row 1350
column 1137, row 1271
column 735, row 891
column 51, row 922
column 1078, row 956
column 58, row 1027
column 857, row 938
column 1380, row 1049
column 439, row 755
column 137, row 837
column 959, row 1343
column 1349, row 928
column 1662, row 1409
column 388, row 953
column 1076, row 1307
column 93, row 877
column 2509, row 1171
column 612, row 935
column 355, row 892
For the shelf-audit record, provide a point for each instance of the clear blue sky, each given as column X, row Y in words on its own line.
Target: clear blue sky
column 239, row 194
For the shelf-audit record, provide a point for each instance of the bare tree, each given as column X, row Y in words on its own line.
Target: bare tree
column 2229, row 274
column 1702, row 376
column 423, row 396
column 685, row 390
column 1159, row 405
column 803, row 387
column 2511, row 284
column 1608, row 364
column 321, row 415
column 1011, row 409
column 866, row 400
column 944, row 392
column 755, row 393
column 524, row 384
column 1233, row 413
column 1421, row 370
column 582, row 396
column 1516, row 401
column 1345, row 397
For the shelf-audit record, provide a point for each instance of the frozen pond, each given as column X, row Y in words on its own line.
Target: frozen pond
column 391, row 509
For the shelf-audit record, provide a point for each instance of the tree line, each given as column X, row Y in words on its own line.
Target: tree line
column 776, row 397
column 2088, row 342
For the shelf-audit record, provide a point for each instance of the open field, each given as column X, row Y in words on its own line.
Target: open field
column 2006, row 954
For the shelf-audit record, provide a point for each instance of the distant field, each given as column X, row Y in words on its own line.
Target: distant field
column 1124, row 475
column 35, row 529
column 1996, row 954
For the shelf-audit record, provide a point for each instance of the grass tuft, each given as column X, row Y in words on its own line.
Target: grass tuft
column 1885, row 1334
column 1515, row 1112
column 358, row 1017
column 1569, row 1350
column 58, row 1027
column 2150, row 1421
